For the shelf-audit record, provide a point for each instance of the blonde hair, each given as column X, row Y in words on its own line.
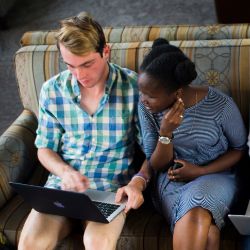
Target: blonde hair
column 81, row 34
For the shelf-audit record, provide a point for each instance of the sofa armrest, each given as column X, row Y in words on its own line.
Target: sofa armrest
column 18, row 155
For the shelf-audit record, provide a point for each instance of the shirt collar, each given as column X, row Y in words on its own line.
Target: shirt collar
column 112, row 77
column 74, row 88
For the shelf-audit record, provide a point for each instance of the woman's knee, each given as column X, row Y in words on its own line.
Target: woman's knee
column 199, row 215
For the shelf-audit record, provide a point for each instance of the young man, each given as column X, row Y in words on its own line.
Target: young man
column 86, row 134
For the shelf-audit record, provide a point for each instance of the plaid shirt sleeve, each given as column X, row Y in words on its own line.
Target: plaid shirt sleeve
column 49, row 130
column 138, row 136
column 138, row 132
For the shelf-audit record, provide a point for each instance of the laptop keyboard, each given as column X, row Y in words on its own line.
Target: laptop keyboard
column 106, row 208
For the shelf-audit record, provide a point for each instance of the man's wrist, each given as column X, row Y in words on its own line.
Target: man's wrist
column 143, row 178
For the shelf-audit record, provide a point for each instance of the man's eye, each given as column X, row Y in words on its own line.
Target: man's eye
column 70, row 67
column 87, row 65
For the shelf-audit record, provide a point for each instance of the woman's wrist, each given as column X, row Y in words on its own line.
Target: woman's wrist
column 166, row 134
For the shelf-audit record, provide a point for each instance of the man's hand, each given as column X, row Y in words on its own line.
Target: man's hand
column 72, row 180
column 133, row 194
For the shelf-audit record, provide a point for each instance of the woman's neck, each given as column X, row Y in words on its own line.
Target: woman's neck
column 193, row 94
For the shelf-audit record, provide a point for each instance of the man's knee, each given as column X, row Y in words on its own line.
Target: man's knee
column 42, row 231
column 29, row 242
column 96, row 242
column 103, row 236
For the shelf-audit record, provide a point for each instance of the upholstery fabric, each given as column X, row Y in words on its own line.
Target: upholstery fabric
column 15, row 211
column 220, row 63
column 150, row 33
column 17, row 154
column 18, row 162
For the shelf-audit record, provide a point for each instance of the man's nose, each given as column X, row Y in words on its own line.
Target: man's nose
column 80, row 73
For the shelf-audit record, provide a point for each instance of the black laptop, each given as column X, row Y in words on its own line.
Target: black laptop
column 92, row 205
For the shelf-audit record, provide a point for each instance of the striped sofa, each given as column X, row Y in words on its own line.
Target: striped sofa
column 222, row 57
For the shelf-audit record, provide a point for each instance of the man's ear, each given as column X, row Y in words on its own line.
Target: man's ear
column 106, row 52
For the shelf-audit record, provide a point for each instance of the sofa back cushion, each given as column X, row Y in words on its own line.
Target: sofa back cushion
column 223, row 64
column 150, row 33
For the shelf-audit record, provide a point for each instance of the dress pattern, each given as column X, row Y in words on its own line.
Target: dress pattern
column 209, row 128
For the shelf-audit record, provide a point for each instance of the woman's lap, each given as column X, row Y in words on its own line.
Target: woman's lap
column 214, row 192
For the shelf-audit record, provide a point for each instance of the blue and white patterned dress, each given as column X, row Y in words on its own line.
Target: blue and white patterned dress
column 208, row 130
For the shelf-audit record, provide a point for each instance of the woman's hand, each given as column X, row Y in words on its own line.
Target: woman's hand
column 133, row 194
column 172, row 118
column 187, row 172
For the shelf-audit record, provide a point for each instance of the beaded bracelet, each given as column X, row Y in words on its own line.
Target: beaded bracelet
column 142, row 177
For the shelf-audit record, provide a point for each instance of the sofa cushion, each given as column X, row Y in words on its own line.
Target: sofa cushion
column 17, row 153
column 150, row 33
column 15, row 211
column 223, row 64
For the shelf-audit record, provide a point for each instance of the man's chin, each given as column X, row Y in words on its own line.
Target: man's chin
column 85, row 84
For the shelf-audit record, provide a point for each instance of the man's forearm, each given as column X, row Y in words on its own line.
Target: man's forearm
column 52, row 162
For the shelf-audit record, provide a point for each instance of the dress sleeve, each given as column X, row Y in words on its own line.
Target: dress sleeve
column 148, row 130
column 233, row 126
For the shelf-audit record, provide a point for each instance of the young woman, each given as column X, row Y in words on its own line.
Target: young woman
column 201, row 129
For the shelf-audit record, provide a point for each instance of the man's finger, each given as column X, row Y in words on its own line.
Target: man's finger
column 119, row 195
column 127, row 207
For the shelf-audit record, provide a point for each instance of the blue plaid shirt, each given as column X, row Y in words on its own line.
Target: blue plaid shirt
column 100, row 146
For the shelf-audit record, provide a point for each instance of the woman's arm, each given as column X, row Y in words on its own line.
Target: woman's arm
column 224, row 162
column 162, row 156
column 163, row 153
column 190, row 171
